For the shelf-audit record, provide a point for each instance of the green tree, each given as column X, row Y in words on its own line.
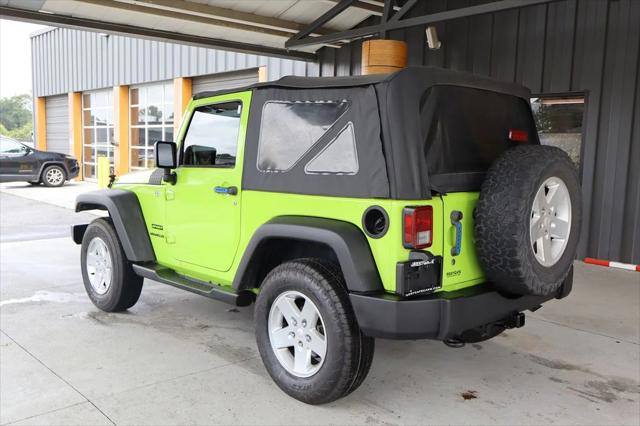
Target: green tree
column 15, row 117
column 15, row 111
column 24, row 133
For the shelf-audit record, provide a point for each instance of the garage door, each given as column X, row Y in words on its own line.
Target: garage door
column 57, row 116
column 224, row 81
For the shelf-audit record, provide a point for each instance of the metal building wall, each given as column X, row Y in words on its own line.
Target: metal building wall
column 67, row 60
column 590, row 46
column 224, row 81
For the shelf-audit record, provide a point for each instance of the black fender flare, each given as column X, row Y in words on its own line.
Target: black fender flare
column 47, row 163
column 346, row 240
column 126, row 214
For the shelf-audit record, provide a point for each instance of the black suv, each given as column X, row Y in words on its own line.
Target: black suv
column 18, row 162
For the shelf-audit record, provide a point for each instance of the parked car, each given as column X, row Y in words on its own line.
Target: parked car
column 19, row 162
column 414, row 205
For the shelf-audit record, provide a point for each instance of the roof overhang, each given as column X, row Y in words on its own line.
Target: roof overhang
column 293, row 29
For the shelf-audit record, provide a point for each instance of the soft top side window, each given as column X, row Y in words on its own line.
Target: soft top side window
column 339, row 157
column 212, row 136
column 289, row 129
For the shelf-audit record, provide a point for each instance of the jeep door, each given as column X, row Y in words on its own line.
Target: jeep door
column 203, row 207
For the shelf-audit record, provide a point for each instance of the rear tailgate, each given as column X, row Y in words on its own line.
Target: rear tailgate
column 460, row 262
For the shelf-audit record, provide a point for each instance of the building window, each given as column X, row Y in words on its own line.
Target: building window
column 559, row 123
column 151, row 112
column 97, row 126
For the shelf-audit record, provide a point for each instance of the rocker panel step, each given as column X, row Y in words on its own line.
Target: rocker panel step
column 214, row 291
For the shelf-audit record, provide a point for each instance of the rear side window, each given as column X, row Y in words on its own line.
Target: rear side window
column 289, row 129
column 466, row 129
column 212, row 136
column 339, row 157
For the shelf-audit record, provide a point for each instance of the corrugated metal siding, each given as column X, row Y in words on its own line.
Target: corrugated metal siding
column 566, row 46
column 67, row 60
column 224, row 81
column 57, row 119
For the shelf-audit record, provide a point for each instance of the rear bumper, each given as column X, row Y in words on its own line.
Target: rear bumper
column 439, row 316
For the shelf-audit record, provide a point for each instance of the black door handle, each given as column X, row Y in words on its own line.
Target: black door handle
column 229, row 190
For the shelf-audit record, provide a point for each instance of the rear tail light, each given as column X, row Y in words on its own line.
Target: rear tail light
column 418, row 227
column 518, row 135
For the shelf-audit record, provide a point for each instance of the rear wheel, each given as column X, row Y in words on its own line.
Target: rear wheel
column 53, row 176
column 307, row 333
column 108, row 277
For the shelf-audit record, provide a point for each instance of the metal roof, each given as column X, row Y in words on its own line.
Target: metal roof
column 255, row 26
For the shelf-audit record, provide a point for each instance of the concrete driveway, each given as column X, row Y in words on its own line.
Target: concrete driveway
column 177, row 358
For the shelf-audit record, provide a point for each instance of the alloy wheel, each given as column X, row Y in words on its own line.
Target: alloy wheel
column 297, row 334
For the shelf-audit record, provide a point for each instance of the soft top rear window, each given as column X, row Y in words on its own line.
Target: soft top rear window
column 466, row 129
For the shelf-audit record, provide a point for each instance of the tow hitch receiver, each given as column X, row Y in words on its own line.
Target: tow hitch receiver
column 515, row 321
column 486, row 332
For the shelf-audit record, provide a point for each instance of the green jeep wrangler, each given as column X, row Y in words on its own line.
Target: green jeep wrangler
column 413, row 205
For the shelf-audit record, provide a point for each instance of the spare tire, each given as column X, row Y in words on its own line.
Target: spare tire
column 527, row 220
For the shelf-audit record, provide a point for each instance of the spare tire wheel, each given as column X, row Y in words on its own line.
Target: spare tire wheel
column 528, row 220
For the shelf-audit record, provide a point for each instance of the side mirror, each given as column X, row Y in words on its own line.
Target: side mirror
column 166, row 158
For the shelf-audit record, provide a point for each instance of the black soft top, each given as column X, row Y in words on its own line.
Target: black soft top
column 417, row 131
column 428, row 76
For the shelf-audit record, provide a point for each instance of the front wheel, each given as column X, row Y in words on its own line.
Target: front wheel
column 307, row 333
column 108, row 277
column 54, row 176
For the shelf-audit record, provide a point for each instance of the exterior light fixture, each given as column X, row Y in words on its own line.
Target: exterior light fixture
column 432, row 38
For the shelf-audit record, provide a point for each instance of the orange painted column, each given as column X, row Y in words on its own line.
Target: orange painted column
column 181, row 97
column 121, row 129
column 41, row 123
column 75, row 128
column 383, row 56
column 262, row 74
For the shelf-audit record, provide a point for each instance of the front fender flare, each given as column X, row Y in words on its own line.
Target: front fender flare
column 345, row 239
column 126, row 214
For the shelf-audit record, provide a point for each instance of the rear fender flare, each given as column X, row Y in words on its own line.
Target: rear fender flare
column 346, row 240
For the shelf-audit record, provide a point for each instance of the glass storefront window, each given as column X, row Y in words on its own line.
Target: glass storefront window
column 559, row 123
column 97, row 123
column 151, row 115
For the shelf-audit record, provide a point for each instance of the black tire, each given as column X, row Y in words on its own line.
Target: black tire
column 48, row 179
column 368, row 343
column 504, row 214
column 349, row 352
column 126, row 285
